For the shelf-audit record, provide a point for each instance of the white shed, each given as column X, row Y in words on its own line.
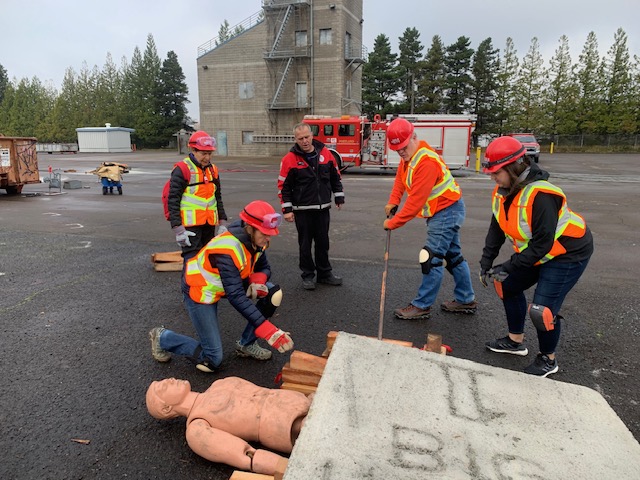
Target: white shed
column 105, row 139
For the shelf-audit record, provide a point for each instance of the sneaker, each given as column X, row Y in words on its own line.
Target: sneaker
column 308, row 284
column 411, row 312
column 331, row 280
column 457, row 307
column 158, row 353
column 542, row 366
column 206, row 366
column 506, row 345
column 252, row 350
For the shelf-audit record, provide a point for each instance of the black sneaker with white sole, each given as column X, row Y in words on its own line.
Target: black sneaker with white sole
column 542, row 366
column 506, row 345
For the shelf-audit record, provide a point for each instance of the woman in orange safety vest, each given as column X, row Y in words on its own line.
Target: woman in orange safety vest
column 552, row 247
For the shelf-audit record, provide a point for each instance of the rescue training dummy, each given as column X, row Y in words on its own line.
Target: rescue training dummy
column 110, row 174
column 229, row 414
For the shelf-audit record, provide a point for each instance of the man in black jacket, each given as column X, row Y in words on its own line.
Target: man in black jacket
column 308, row 177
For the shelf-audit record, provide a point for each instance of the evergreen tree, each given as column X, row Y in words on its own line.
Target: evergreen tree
column 380, row 78
column 409, row 66
column 4, row 81
column 108, row 93
column 561, row 95
column 528, row 91
column 173, row 96
column 458, row 80
column 64, row 117
column 483, row 93
column 508, row 66
column 590, row 86
column 430, row 85
column 619, row 112
column 25, row 107
column 223, row 33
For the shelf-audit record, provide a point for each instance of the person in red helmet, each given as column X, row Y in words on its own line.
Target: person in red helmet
column 233, row 265
column 552, row 247
column 195, row 203
column 432, row 194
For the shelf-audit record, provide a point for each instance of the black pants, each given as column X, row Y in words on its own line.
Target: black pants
column 203, row 234
column 313, row 227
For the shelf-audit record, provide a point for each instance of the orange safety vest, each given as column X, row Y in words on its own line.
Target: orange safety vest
column 517, row 225
column 447, row 185
column 204, row 279
column 198, row 205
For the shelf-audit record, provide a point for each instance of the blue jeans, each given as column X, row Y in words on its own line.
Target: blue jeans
column 554, row 280
column 204, row 317
column 443, row 239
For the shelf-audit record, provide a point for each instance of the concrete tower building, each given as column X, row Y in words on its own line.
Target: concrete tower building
column 294, row 58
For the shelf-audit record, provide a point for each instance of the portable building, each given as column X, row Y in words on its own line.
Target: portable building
column 105, row 139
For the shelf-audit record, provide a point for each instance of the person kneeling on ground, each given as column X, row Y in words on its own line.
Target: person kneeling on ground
column 233, row 265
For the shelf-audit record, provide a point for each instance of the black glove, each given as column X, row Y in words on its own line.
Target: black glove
column 498, row 273
column 485, row 278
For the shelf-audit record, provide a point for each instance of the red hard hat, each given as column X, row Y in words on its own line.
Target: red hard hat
column 261, row 215
column 399, row 133
column 502, row 151
column 201, row 140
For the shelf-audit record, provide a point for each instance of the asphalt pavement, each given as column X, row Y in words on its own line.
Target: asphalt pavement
column 79, row 295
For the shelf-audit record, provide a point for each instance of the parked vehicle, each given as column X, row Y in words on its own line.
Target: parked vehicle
column 530, row 144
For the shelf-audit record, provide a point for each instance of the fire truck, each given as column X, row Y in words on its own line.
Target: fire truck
column 356, row 141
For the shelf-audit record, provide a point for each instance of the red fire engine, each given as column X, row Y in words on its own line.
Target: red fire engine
column 356, row 141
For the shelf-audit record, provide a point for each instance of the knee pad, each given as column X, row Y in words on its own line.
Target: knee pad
column 498, row 287
column 450, row 263
column 429, row 259
column 542, row 317
column 268, row 304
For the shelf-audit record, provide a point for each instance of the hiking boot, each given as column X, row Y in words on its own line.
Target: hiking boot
column 252, row 350
column 331, row 280
column 411, row 312
column 506, row 345
column 308, row 284
column 156, row 350
column 456, row 307
column 542, row 366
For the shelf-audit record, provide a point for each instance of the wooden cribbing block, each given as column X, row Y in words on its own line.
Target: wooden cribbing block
column 238, row 475
column 167, row 261
column 434, row 344
column 298, row 387
column 281, row 466
column 307, row 362
column 331, row 338
column 304, row 377
column 168, row 267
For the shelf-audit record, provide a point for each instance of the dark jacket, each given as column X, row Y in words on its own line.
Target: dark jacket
column 307, row 180
column 546, row 207
column 178, row 185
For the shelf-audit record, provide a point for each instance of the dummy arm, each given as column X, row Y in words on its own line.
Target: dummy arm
column 222, row 447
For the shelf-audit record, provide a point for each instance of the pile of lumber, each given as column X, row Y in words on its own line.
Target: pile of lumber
column 167, row 261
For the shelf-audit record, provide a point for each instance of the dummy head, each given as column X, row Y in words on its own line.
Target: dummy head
column 164, row 395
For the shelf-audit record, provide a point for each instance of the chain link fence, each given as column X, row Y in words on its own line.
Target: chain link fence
column 590, row 143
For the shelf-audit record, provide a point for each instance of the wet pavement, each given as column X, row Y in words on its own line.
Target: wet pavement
column 79, row 295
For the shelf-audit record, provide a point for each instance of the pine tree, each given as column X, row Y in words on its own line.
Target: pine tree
column 561, row 95
column 4, row 81
column 590, row 87
column 409, row 65
column 223, row 33
column 430, row 86
column 528, row 91
column 483, row 94
column 173, row 96
column 508, row 66
column 458, row 80
column 619, row 112
column 380, row 78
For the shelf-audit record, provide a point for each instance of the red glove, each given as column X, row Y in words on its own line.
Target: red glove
column 275, row 337
column 257, row 288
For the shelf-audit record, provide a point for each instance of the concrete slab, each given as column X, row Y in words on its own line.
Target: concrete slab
column 384, row 411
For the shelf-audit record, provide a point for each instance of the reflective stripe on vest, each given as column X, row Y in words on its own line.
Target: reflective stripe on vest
column 204, row 280
column 446, row 184
column 198, row 205
column 517, row 225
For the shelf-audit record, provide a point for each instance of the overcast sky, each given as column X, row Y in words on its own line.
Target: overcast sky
column 43, row 38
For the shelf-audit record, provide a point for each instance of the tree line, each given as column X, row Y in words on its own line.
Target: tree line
column 595, row 95
column 146, row 94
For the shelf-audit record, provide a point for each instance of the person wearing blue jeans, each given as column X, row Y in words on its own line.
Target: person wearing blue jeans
column 433, row 194
column 552, row 247
column 232, row 265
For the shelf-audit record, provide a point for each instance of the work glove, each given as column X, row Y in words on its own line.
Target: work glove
column 257, row 286
column 485, row 278
column 390, row 209
column 182, row 236
column 222, row 227
column 498, row 273
column 275, row 337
